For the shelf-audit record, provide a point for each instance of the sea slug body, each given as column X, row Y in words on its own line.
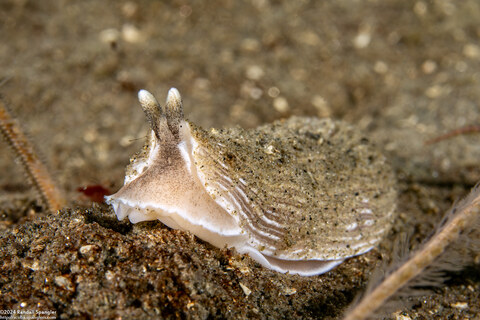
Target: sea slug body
column 298, row 195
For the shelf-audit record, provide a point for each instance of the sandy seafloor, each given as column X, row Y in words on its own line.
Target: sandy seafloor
column 402, row 71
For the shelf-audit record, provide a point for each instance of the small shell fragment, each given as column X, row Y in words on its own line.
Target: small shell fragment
column 298, row 195
column 289, row 291
column 245, row 289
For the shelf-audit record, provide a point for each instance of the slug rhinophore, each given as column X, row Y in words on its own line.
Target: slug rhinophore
column 298, row 195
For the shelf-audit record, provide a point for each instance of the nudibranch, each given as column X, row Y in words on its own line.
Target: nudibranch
column 298, row 195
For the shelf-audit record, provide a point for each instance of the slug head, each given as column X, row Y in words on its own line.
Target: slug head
column 161, row 181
